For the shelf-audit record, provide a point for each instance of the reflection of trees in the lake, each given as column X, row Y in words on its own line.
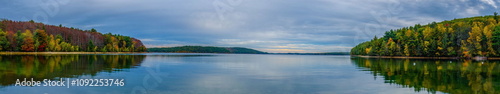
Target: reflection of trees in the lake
column 451, row 76
column 39, row 67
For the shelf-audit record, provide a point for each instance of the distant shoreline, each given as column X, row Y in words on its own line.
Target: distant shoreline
column 412, row 57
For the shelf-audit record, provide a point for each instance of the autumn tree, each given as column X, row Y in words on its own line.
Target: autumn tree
column 4, row 43
column 406, row 50
column 428, row 45
column 28, row 42
column 475, row 39
column 41, row 40
column 487, row 40
column 12, row 38
column 51, row 44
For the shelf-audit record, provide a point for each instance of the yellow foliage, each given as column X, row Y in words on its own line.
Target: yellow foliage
column 408, row 33
column 390, row 41
column 406, row 50
column 475, row 37
column 450, row 30
column 367, row 50
column 427, row 32
column 487, row 31
column 466, row 53
column 441, row 28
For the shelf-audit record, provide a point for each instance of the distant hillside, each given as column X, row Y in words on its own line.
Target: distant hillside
column 206, row 49
column 465, row 37
column 32, row 36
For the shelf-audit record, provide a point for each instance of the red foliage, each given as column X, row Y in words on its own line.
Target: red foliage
column 28, row 45
column 42, row 47
column 12, row 40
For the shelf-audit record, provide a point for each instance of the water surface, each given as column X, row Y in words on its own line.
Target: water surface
column 249, row 74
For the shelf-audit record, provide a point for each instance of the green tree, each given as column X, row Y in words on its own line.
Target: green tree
column 4, row 43
column 495, row 16
column 41, row 39
column 91, row 47
column 93, row 30
column 495, row 39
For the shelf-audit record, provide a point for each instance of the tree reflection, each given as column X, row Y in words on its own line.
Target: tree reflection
column 39, row 67
column 450, row 76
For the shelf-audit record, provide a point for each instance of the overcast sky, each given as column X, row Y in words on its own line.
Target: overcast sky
column 266, row 25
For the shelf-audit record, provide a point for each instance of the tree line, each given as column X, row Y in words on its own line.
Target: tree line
column 206, row 49
column 466, row 37
column 37, row 37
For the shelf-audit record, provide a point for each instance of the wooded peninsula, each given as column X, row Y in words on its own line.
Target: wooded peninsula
column 18, row 36
column 464, row 38
column 206, row 49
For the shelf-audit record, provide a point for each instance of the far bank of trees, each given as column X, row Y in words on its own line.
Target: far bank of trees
column 206, row 49
column 466, row 37
column 37, row 37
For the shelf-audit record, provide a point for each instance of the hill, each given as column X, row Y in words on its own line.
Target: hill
column 465, row 37
column 38, row 37
column 206, row 49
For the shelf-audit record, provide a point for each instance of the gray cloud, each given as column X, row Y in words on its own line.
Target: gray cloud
column 275, row 26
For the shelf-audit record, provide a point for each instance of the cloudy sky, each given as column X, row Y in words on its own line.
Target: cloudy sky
column 267, row 25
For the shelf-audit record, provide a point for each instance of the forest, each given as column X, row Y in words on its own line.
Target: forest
column 18, row 36
column 206, row 49
column 465, row 37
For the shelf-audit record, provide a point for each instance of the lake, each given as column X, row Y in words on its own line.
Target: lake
column 178, row 73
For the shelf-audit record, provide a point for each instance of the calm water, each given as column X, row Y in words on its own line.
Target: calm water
column 249, row 74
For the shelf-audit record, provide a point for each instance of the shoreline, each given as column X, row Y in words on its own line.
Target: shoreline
column 412, row 57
